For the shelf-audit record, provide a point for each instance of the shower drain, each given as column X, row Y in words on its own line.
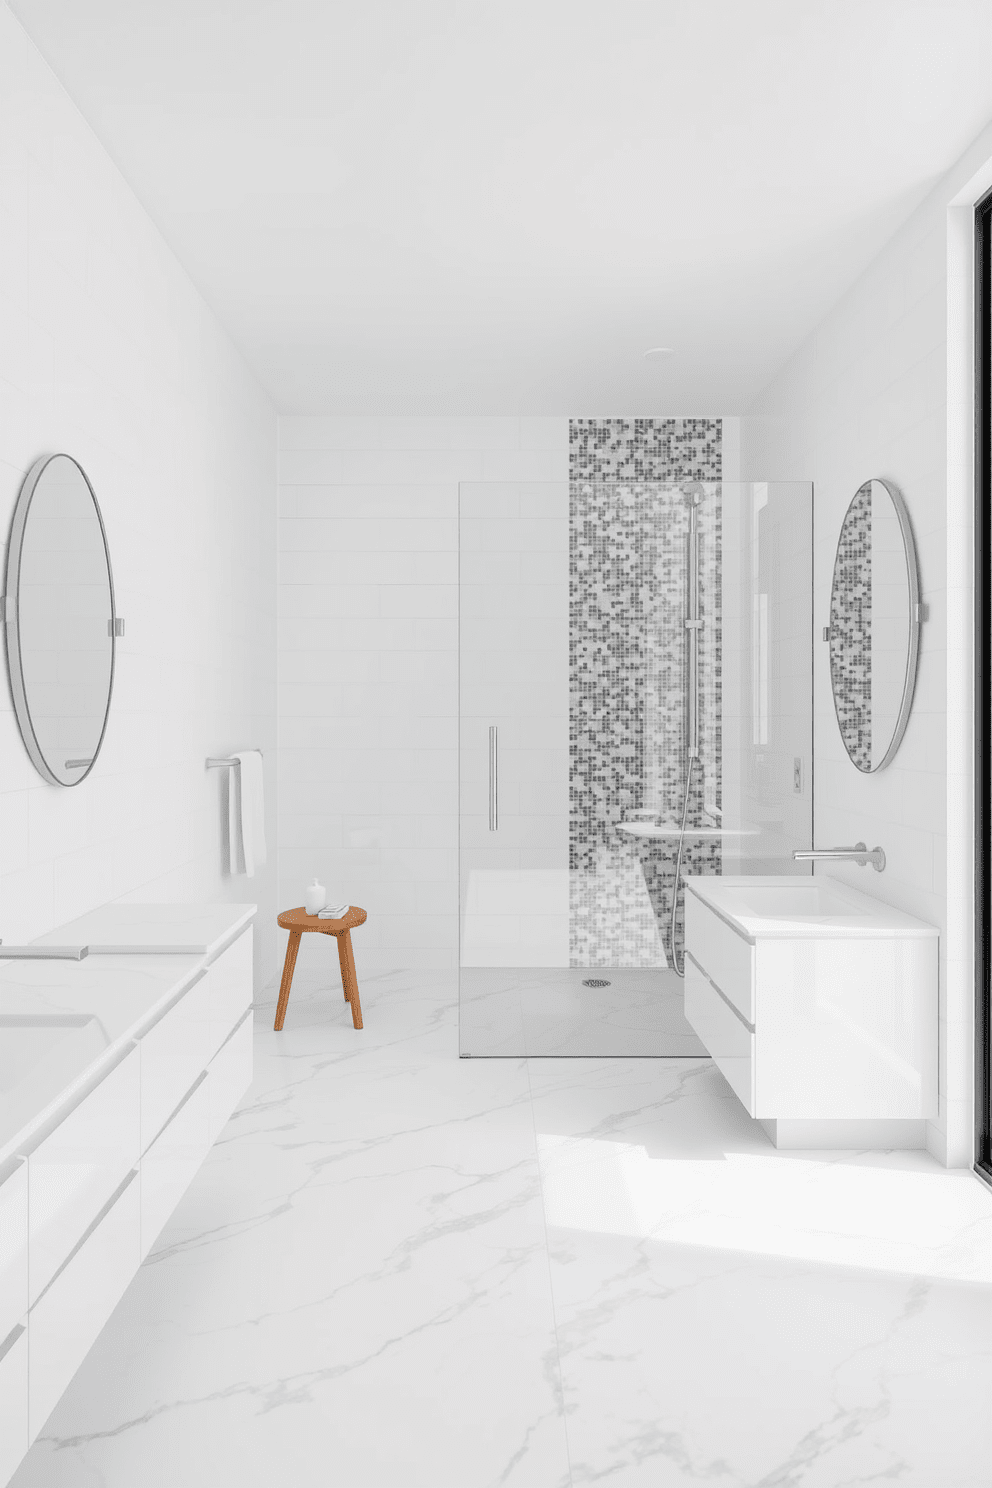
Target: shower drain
column 596, row 982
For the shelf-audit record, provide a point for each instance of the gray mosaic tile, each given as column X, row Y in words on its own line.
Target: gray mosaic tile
column 629, row 483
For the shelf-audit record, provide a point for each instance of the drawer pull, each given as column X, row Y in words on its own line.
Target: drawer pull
column 173, row 1114
column 118, row 1191
column 11, row 1339
column 723, row 997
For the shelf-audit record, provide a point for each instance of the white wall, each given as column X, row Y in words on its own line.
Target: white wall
column 867, row 395
column 107, row 352
column 368, row 637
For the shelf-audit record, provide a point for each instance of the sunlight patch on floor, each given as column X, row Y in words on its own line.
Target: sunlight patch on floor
column 830, row 1209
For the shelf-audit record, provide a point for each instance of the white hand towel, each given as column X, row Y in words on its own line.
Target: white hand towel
column 246, row 813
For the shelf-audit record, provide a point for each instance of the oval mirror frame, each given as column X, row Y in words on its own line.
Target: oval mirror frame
column 12, row 627
column 914, row 626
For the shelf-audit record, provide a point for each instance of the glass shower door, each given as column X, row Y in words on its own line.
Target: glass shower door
column 514, row 760
column 574, row 674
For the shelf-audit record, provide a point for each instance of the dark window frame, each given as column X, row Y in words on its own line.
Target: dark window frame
column 983, row 678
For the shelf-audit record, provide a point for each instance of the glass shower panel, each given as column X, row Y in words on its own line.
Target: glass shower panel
column 765, row 707
column 514, row 707
column 576, row 712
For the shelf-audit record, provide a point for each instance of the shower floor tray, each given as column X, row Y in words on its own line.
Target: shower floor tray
column 546, row 1011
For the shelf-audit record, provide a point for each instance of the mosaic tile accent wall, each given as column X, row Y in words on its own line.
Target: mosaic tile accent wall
column 629, row 522
column 850, row 629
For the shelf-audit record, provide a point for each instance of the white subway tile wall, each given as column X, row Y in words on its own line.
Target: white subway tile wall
column 368, row 655
column 107, row 352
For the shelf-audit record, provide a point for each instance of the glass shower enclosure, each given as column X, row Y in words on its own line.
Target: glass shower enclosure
column 612, row 634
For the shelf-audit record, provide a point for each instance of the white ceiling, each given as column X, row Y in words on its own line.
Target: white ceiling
column 495, row 206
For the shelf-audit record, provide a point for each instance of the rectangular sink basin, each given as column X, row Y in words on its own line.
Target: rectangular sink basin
column 38, row 1047
column 784, row 906
column 792, row 902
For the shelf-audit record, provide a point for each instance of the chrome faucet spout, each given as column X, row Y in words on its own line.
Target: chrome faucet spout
column 859, row 854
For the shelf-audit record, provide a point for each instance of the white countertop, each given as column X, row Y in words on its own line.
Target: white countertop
column 808, row 908
column 62, row 1021
column 153, row 929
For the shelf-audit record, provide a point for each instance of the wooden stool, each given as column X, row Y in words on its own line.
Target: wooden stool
column 297, row 921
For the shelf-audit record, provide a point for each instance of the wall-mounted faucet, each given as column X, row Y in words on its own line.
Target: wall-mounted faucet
column 43, row 953
column 857, row 854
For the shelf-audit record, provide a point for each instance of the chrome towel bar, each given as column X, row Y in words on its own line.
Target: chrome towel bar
column 214, row 763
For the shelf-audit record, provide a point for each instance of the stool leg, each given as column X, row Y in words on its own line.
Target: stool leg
column 349, row 981
column 295, row 936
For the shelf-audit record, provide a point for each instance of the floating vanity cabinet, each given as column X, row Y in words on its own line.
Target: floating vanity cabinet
column 817, row 1003
column 88, row 1185
column 14, row 1436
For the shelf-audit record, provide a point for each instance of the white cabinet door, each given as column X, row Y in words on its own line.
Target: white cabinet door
column 176, row 1051
column 847, row 1029
column 77, row 1166
column 727, row 1037
column 172, row 1161
column 231, row 1074
column 65, row 1322
column 726, row 958
column 230, row 978
column 173, row 1055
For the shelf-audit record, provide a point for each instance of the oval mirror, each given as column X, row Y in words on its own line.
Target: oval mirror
column 874, row 634
column 60, row 620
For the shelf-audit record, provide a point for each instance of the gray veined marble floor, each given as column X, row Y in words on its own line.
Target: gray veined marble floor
column 399, row 1268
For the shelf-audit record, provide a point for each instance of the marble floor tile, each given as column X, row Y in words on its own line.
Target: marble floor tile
column 402, row 1268
column 733, row 1315
column 354, row 1291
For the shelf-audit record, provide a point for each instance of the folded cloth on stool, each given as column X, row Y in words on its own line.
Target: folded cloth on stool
column 333, row 911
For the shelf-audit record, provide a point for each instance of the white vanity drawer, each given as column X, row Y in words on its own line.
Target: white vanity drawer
column 172, row 1161
column 66, row 1321
column 13, row 1245
column 726, row 1037
column 78, row 1165
column 231, row 988
column 14, row 1438
column 178, row 1048
column 231, row 1074
column 173, row 1054
column 727, row 958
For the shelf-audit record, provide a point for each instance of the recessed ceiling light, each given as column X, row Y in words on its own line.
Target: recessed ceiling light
column 655, row 353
